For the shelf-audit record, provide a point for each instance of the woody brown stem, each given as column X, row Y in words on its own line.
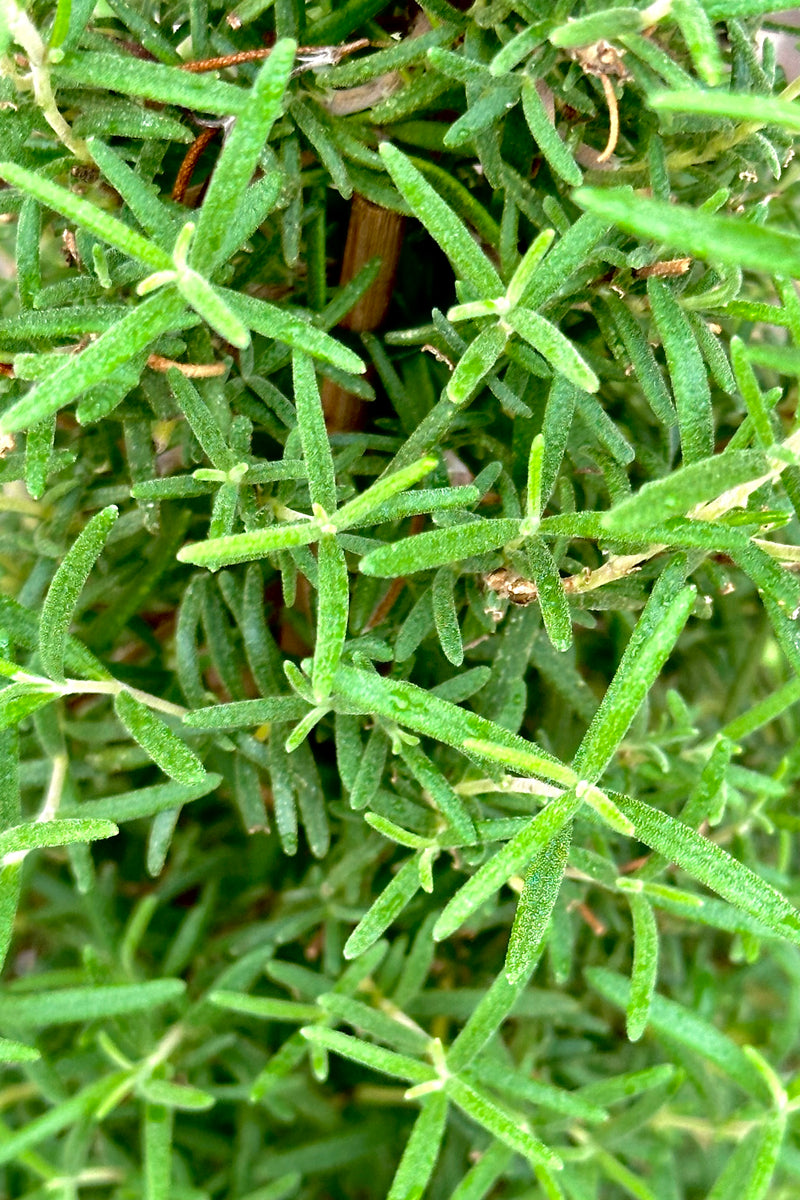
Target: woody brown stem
column 372, row 232
column 186, row 169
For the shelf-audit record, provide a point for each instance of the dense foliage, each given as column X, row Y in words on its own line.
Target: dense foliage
column 399, row 713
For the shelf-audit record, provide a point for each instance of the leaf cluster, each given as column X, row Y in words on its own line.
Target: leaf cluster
column 398, row 805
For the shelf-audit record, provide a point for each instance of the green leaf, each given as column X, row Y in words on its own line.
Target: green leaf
column 144, row 802
column 86, row 215
column 555, row 153
column 313, row 435
column 570, row 252
column 496, row 1075
column 445, row 615
column 712, row 866
column 265, row 1007
column 171, row 754
column 66, row 1005
column 175, row 1095
column 332, row 615
column 750, row 1169
column 439, row 547
column 14, row 1052
column 65, row 588
column 701, row 40
column 202, row 422
column 141, row 326
column 691, row 231
column 688, row 486
column 440, row 792
column 646, row 370
column 607, row 24
column 687, row 372
column 477, row 361
column 141, row 199
column 243, row 713
column 36, row 835
column 518, row 284
column 649, row 647
column 152, row 81
column 535, row 906
column 19, row 700
column 385, row 909
column 157, row 1147
column 551, row 595
column 422, row 1149
column 469, row 261
column 285, row 326
column 746, row 106
column 246, row 547
column 752, row 394
column 210, row 305
column 522, row 757
column 376, row 1058
column 67, row 1113
column 763, row 712
column 532, row 840
column 673, row 1023
column 378, row 495
column 551, row 343
column 240, row 155
column 645, row 965
column 509, row 1127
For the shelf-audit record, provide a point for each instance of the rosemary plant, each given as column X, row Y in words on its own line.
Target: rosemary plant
column 399, row 712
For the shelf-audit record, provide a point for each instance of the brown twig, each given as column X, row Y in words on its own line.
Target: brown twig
column 186, row 169
column 613, row 119
column 157, row 362
column 371, row 233
column 664, row 269
column 316, row 55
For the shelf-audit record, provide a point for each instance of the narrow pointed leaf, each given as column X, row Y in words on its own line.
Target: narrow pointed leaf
column 152, row 81
column 512, row 859
column 65, row 588
column 552, row 597
column 506, row 1126
column 477, row 361
column 313, row 435
column 553, row 150
column 699, row 483
column 747, row 106
column 687, row 372
column 553, row 346
column 157, row 739
column 87, row 215
column 140, row 327
column 35, row 835
column 332, row 614
column 286, row 326
column 376, row 1058
column 389, row 904
column 247, row 547
column 240, row 155
column 649, row 648
column 690, row 231
column 645, row 965
column 535, row 905
column 712, row 866
column 438, row 547
column 422, row 1149
column 469, row 261
column 65, row 1005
